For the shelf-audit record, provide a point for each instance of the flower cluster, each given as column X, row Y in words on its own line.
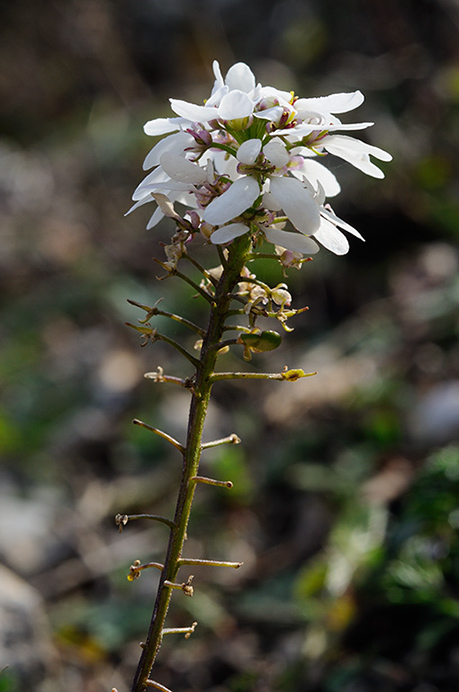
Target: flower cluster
column 247, row 162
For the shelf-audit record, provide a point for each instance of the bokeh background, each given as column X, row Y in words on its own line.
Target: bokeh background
column 345, row 506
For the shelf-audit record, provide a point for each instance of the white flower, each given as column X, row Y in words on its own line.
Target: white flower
column 296, row 242
column 181, row 170
column 249, row 151
column 315, row 118
column 235, row 105
column 356, row 152
column 176, row 177
column 239, row 76
column 276, row 152
column 297, row 202
column 176, row 143
column 232, row 99
column 287, row 193
column 329, row 235
column 316, row 174
column 247, row 161
column 226, row 234
column 239, row 196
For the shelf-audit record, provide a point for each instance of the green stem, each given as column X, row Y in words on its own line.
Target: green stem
column 152, row 312
column 203, row 271
column 286, row 376
column 162, row 434
column 181, row 320
column 190, row 282
column 238, row 252
column 167, row 340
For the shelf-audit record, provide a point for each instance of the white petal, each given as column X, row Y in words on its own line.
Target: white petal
column 305, row 152
column 240, row 76
column 227, row 233
column 218, row 76
column 356, row 145
column 331, row 238
column 185, row 198
column 216, row 96
column 236, row 104
column 335, row 103
column 331, row 216
column 271, row 93
column 317, row 173
column 304, row 129
column 169, row 185
column 175, row 143
column 272, row 114
column 349, row 126
column 156, row 176
column 210, row 169
column 192, row 112
column 291, row 241
column 276, row 152
column 162, row 126
column 155, row 218
column 299, row 131
column 270, row 203
column 140, row 203
column 297, row 203
column 239, row 197
column 248, row 151
column 225, row 165
column 360, row 161
column 182, row 170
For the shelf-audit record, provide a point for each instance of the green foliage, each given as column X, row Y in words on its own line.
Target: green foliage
column 8, row 681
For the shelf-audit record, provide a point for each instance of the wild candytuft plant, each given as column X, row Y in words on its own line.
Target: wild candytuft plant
column 247, row 165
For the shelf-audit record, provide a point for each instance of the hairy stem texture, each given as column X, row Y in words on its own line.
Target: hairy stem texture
column 238, row 253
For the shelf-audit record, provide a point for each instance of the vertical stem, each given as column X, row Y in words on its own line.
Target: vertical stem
column 238, row 252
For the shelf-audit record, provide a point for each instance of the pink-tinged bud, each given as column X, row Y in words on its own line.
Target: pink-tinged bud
column 201, row 137
column 262, row 105
column 290, row 259
column 194, row 219
column 205, row 137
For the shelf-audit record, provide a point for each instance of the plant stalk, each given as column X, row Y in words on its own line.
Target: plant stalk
column 238, row 253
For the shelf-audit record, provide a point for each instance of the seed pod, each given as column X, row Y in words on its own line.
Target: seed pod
column 259, row 342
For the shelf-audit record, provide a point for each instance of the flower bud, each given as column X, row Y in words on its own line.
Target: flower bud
column 281, row 296
column 240, row 123
column 206, row 230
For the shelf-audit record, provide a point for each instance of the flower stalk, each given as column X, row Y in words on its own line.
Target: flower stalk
column 230, row 286
column 191, row 452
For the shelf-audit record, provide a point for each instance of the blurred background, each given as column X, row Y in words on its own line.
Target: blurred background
column 345, row 501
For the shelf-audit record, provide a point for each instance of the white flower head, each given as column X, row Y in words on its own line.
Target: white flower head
column 249, row 160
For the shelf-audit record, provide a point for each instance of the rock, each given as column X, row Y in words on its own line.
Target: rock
column 26, row 650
